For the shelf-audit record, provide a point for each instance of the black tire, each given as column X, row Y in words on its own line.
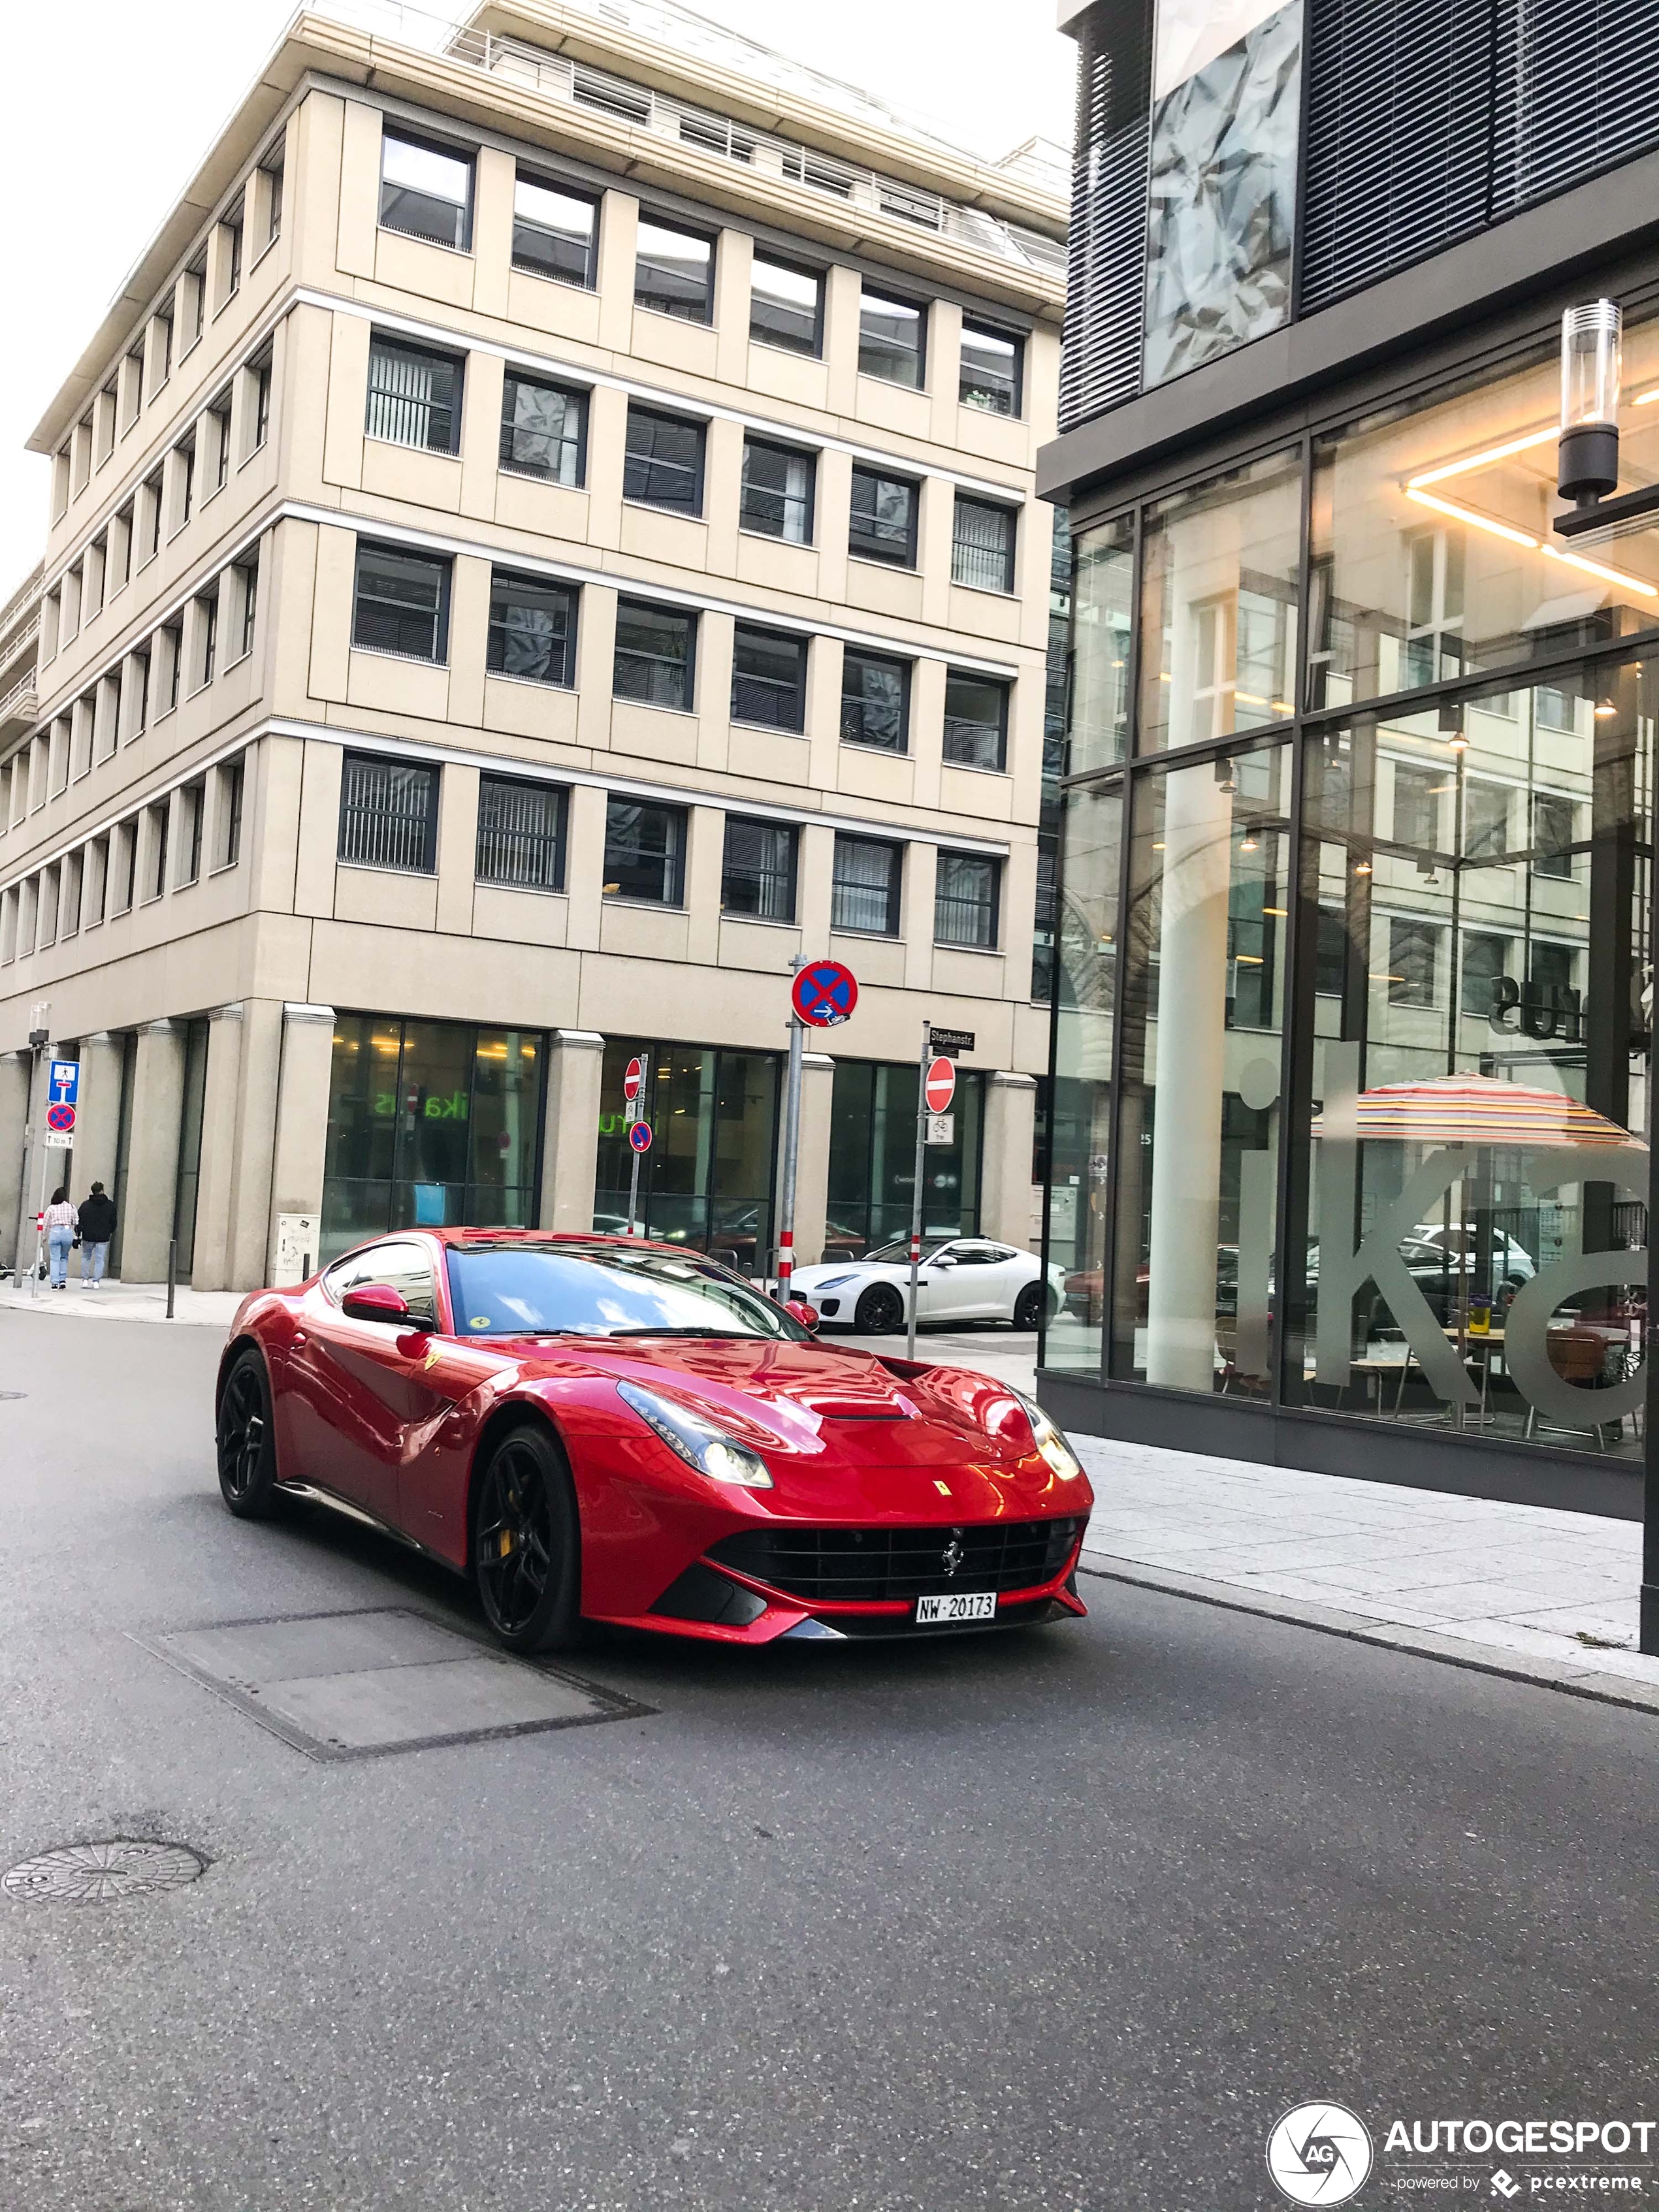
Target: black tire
column 880, row 1311
column 1030, row 1304
column 527, row 1543
column 246, row 1437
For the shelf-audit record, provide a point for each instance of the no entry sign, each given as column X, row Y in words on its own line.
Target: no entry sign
column 824, row 994
column 632, row 1077
column 639, row 1135
column 941, row 1086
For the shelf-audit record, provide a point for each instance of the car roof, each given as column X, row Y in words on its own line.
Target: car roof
column 502, row 1240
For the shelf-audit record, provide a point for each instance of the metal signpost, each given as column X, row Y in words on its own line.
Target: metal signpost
column 822, row 996
column 936, row 1083
column 639, row 1134
column 63, row 1097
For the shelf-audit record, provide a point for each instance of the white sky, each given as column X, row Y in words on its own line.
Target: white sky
column 114, row 105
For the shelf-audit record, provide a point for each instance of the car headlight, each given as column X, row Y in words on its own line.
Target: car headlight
column 1052, row 1446
column 832, row 1282
column 698, row 1443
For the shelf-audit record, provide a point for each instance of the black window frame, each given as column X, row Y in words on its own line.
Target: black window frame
column 382, row 343
column 978, row 326
column 438, row 562
column 991, row 906
column 588, row 280
column 1004, row 688
column 676, row 858
column 844, row 841
column 770, row 689
column 426, row 820
column 779, row 448
column 395, row 134
column 737, row 874
column 638, row 466
column 814, row 350
column 513, row 463
column 869, row 547
column 505, row 836
column 231, row 796
column 905, row 668
column 689, row 615
column 502, row 576
column 679, row 311
column 920, row 308
column 960, row 546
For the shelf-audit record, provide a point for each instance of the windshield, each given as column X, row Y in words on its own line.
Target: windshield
column 606, row 1290
column 900, row 1251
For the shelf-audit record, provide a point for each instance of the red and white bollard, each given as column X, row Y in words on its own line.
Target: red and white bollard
column 786, row 1263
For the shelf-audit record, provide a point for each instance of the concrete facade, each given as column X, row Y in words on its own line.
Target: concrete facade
column 170, row 810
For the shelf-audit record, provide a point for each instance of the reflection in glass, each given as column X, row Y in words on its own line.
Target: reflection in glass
column 1218, row 600
column 872, row 1159
column 707, row 1181
column 1202, row 1012
column 1102, row 588
column 1083, row 1069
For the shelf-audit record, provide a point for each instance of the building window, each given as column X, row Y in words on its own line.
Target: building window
column 884, row 525
column 554, row 232
column 521, row 832
column 1417, row 805
column 94, row 882
column 656, row 648
column 126, row 853
column 232, row 265
column 768, row 678
column 388, row 814
column 892, row 340
column 1485, row 821
column 261, row 408
column 219, row 439
column 186, row 480
column 975, row 720
column 272, row 173
column 786, row 306
column 674, row 272
column 401, row 602
column 991, row 364
column 875, row 699
column 533, row 629
column 644, row 851
column 414, row 396
column 983, row 545
column 207, row 611
column 965, row 901
column 758, row 876
column 425, row 191
column 161, row 823
column 192, row 801
column 232, row 778
column 543, row 429
column 777, row 491
column 663, row 462
column 863, row 892
column 139, row 679
column 172, row 644
column 1486, row 957
column 1553, row 825
column 1413, row 948
column 151, row 534
column 163, row 349
column 192, row 303
column 247, row 588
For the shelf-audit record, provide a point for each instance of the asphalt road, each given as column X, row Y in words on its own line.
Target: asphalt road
column 1061, row 1920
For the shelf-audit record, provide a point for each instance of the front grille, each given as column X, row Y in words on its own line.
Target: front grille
column 863, row 1566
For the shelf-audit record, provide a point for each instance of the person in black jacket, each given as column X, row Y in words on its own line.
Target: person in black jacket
column 97, row 1224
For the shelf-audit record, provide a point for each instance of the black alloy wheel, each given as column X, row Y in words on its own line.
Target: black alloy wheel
column 1030, row 1305
column 526, row 1555
column 880, row 1311
column 246, row 1439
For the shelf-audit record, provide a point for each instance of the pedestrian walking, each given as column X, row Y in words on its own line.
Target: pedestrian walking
column 61, row 1220
column 97, row 1226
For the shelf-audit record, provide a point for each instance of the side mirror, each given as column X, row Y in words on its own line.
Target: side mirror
column 375, row 1301
column 945, row 1260
column 798, row 1310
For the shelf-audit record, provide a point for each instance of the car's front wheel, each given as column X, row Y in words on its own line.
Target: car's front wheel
column 1029, row 1306
column 246, row 1439
column 880, row 1311
column 527, row 1543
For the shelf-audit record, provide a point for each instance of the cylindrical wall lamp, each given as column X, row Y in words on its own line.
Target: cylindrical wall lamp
column 1590, row 366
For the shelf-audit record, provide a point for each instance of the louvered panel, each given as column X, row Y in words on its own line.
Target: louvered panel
column 1577, row 90
column 1100, row 362
column 1399, row 125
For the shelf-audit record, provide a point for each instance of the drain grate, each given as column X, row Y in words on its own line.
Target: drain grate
column 98, row 1873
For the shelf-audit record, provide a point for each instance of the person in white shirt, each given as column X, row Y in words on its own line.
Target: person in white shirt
column 62, row 1222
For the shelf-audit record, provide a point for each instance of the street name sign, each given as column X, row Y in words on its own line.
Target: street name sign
column 951, row 1040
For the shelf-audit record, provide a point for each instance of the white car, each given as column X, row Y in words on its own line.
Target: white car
column 963, row 1279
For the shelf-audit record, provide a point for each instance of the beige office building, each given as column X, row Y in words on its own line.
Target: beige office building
column 545, row 536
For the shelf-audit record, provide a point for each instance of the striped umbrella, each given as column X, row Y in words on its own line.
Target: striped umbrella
column 1477, row 1110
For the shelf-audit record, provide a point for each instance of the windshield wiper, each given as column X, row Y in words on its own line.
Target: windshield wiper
column 733, row 1334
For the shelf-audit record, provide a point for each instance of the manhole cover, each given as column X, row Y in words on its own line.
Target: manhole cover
column 98, row 1874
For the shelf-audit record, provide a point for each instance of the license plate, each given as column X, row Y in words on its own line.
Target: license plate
column 961, row 1605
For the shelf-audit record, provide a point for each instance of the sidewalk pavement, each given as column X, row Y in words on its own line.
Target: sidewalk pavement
column 1525, row 1590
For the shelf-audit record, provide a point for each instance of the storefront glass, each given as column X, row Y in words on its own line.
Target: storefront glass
column 708, row 1178
column 1103, row 579
column 429, row 1123
column 1080, row 1130
column 872, row 1159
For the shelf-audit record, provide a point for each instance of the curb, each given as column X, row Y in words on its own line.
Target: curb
column 1602, row 1688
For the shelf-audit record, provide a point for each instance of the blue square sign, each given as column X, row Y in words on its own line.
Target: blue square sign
column 64, row 1083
